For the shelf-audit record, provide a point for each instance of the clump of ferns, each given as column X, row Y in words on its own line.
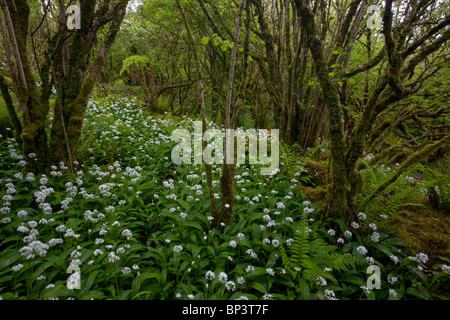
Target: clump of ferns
column 310, row 257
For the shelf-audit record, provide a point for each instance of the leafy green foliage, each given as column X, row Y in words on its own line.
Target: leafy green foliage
column 290, row 157
column 138, row 227
column 384, row 207
column 134, row 61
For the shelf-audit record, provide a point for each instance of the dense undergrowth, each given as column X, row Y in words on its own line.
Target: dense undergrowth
column 138, row 227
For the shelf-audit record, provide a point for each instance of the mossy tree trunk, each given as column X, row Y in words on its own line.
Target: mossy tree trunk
column 75, row 88
column 34, row 112
column 208, row 168
column 227, row 178
column 391, row 87
column 338, row 184
column 17, row 125
column 71, row 73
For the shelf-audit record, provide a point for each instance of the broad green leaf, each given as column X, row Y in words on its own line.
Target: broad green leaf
column 258, row 286
column 205, row 40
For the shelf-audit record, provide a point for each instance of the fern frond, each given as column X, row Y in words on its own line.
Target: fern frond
column 289, row 156
column 299, row 249
column 385, row 206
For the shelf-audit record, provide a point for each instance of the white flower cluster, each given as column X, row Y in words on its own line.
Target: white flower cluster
column 420, row 257
column 69, row 233
column 321, row 281
column 127, row 233
column 249, row 269
column 392, row 280
column 168, row 184
column 35, row 247
column 230, row 286
column 112, row 257
column 105, row 189
column 446, row 269
column 361, row 216
column 280, row 205
column 65, row 203
column 42, row 195
column 210, row 276
column 55, row 241
column 46, row 208
column 362, row 250
column 133, row 173
column 375, row 237
column 177, row 249
column 251, row 253
column 89, row 216
column 330, row 295
column 71, row 189
column 223, row 277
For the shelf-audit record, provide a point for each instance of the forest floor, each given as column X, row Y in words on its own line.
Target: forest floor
column 137, row 226
column 424, row 228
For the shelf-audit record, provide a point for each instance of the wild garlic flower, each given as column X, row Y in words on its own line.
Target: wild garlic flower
column 446, row 269
column 177, row 249
column 22, row 229
column 280, row 205
column 210, row 276
column 35, row 247
column 392, row 280
column 127, row 233
column 393, row 293
column 126, row 270
column 17, row 267
column 362, row 216
column 375, row 237
column 251, row 253
column 321, row 281
column 330, row 295
column 230, row 286
column 22, row 213
column 370, row 260
column 249, row 269
column 365, row 289
column 420, row 257
column 223, row 277
column 361, row 250
column 373, row 226
column 112, row 257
